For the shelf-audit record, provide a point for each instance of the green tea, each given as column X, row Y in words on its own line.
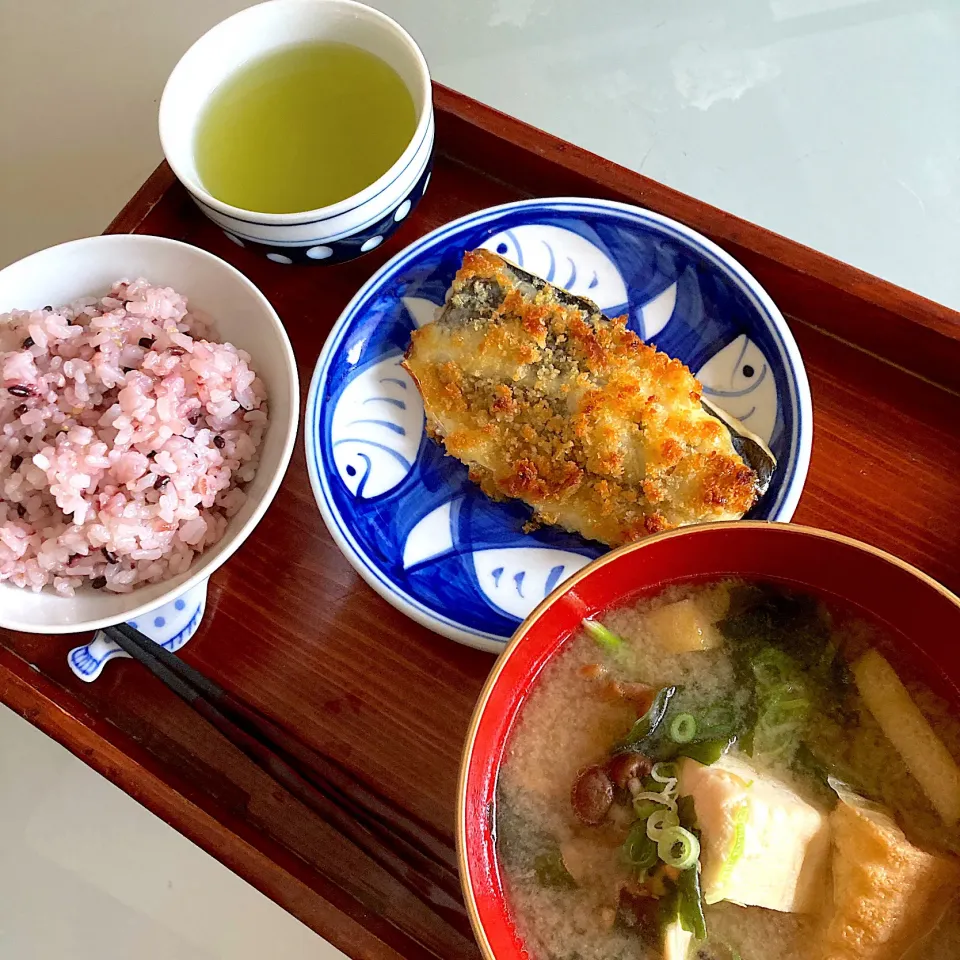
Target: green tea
column 303, row 127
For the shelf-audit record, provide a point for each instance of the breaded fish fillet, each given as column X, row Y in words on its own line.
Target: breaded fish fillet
column 548, row 401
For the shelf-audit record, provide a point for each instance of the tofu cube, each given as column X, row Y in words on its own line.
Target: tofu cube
column 761, row 844
column 681, row 627
column 676, row 942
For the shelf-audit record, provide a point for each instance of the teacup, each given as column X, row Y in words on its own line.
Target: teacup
column 340, row 231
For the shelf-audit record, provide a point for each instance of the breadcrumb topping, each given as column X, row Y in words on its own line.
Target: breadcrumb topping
column 548, row 401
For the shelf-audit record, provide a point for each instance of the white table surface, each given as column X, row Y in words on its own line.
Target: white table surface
column 834, row 122
column 86, row 873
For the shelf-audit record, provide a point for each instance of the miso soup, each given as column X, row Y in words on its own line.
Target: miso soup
column 729, row 771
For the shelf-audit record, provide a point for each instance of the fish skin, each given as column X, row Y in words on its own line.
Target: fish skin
column 565, row 259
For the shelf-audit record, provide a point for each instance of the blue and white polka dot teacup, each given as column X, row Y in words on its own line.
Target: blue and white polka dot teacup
column 332, row 234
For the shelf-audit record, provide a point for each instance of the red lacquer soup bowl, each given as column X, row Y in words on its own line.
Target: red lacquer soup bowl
column 915, row 609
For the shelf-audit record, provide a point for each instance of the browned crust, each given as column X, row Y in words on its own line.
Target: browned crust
column 571, row 412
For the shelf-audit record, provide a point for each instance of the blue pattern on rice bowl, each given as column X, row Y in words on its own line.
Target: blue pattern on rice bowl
column 127, row 433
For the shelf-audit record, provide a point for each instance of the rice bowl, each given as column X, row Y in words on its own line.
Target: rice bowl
column 223, row 359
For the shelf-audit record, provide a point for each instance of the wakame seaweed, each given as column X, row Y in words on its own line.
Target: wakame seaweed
column 785, row 653
column 646, row 731
column 522, row 845
column 684, row 902
column 762, row 615
column 551, row 871
column 720, row 724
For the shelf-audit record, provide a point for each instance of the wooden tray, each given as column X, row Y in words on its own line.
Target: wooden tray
column 294, row 631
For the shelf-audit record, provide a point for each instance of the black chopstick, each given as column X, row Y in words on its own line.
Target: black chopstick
column 398, row 844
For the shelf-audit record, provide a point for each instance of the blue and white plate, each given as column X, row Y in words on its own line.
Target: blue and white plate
column 408, row 518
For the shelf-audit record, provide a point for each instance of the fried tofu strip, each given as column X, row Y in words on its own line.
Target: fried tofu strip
column 549, row 402
column 887, row 893
column 909, row 731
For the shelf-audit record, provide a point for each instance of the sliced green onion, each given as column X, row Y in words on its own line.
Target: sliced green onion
column 661, row 799
column 664, row 772
column 779, row 730
column 638, row 849
column 659, row 822
column 678, row 847
column 654, row 795
column 708, row 751
column 643, row 808
column 736, row 848
column 601, row 635
column 772, row 666
column 683, row 728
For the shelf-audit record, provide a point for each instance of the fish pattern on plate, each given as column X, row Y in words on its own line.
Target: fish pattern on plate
column 377, row 428
column 407, row 515
column 512, row 579
column 739, row 380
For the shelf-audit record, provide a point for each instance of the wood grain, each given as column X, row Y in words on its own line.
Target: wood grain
column 294, row 632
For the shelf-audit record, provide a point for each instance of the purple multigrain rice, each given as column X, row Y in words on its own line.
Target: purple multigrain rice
column 107, row 422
